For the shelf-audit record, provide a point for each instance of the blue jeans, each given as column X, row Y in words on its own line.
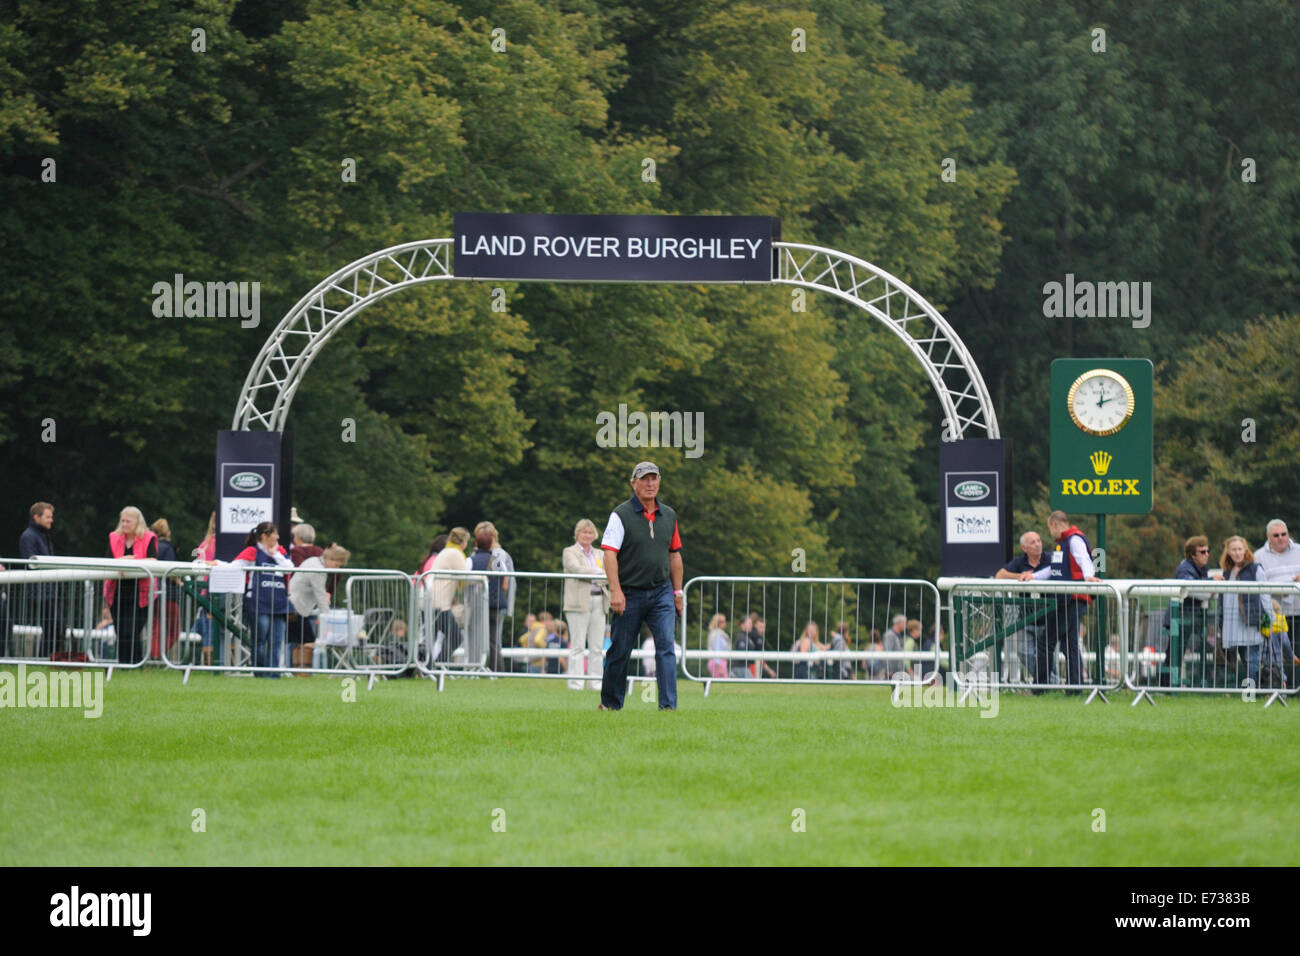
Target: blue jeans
column 1279, row 653
column 655, row 607
column 203, row 627
column 1031, row 636
column 267, row 642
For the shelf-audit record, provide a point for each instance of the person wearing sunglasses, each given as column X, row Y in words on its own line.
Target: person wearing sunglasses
column 1195, row 617
column 1280, row 561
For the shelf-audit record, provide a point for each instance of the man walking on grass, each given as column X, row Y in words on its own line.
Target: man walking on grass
column 643, row 564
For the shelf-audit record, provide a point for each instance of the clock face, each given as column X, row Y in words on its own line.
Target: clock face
column 1100, row 402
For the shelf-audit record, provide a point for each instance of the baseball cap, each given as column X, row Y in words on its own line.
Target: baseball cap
column 644, row 468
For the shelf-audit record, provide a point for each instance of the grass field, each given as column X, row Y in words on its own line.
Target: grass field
column 286, row 772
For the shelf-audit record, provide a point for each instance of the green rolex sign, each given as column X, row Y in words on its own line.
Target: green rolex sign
column 1102, row 415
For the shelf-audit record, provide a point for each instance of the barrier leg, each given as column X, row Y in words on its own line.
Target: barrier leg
column 966, row 691
column 707, row 685
column 1143, row 693
column 186, row 679
column 1096, row 692
column 371, row 685
column 1276, row 696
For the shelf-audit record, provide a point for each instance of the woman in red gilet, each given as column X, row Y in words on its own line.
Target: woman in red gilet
column 128, row 600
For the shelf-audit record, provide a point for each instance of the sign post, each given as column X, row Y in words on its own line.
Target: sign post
column 252, row 486
column 1102, row 442
column 1102, row 436
column 975, row 505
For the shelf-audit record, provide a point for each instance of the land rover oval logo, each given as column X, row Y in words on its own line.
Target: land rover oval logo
column 248, row 481
column 971, row 490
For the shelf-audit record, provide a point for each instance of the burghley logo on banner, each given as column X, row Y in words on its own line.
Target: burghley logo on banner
column 615, row 248
column 972, row 506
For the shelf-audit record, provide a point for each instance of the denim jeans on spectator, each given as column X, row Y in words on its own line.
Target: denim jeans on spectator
column 655, row 607
column 1030, row 638
column 203, row 627
column 268, row 643
column 1279, row 653
column 1027, row 652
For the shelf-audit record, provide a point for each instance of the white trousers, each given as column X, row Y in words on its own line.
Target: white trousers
column 586, row 632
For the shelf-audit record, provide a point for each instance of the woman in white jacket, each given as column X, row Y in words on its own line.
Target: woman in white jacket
column 309, row 598
column 586, row 604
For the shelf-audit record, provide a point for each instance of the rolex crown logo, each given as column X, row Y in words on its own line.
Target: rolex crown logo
column 1100, row 462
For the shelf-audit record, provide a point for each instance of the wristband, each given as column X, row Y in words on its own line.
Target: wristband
column 675, row 593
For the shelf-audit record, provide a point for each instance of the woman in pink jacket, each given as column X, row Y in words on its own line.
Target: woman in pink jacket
column 127, row 601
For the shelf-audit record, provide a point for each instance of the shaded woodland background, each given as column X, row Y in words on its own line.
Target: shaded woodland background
column 821, row 432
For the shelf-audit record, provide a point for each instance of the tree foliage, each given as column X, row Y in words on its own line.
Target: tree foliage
column 227, row 164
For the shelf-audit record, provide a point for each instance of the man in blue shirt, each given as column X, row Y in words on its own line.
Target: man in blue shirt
column 1022, row 568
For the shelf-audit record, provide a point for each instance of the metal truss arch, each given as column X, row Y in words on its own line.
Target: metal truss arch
column 963, row 396
column 289, row 351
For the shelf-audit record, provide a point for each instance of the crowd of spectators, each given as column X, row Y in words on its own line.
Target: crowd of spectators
column 1224, row 638
column 904, row 637
column 1248, row 635
column 277, row 614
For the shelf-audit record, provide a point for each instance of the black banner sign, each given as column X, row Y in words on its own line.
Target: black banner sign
column 975, row 506
column 253, row 477
column 615, row 248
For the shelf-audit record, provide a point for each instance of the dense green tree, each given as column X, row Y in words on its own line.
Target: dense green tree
column 1230, row 416
column 1132, row 166
column 226, row 164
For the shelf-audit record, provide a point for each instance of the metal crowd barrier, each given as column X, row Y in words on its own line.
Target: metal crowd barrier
column 1017, row 635
column 758, row 618
column 186, row 613
column 50, row 614
column 367, row 631
column 1147, row 635
column 1180, row 640
column 458, row 627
